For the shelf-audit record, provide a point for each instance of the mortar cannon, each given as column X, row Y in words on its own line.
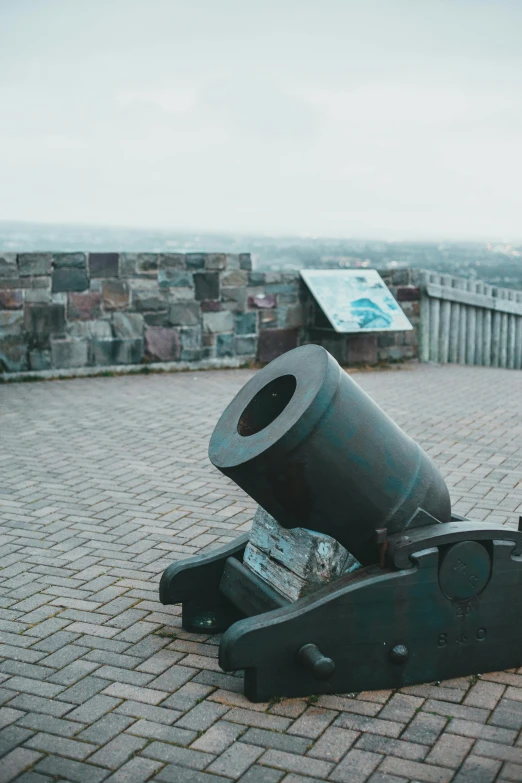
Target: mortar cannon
column 356, row 574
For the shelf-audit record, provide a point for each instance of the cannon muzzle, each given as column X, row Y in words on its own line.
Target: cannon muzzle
column 315, row 451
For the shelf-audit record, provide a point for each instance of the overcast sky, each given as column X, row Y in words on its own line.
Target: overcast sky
column 365, row 118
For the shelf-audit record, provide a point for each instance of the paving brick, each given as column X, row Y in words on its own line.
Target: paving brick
column 258, row 774
column 259, row 719
column 450, row 751
column 233, row 699
column 485, row 694
column 495, row 750
column 136, row 770
column 83, row 690
column 425, row 728
column 219, row 680
column 288, row 708
column 117, row 751
column 57, row 641
column 49, row 724
column 173, row 773
column 159, row 731
column 478, row 770
column 383, row 777
column 456, row 711
column 110, row 658
column 156, row 714
column 73, row 672
column 312, row 722
column 386, row 728
column 507, row 714
column 276, row 740
column 183, row 757
column 220, row 735
column 479, row 731
column 20, row 653
column 159, row 662
column 356, row 767
column 401, row 708
column 128, row 676
column 201, row 716
column 33, row 777
column 236, row 760
column 68, row 770
column 173, row 678
column 436, row 692
column 9, row 715
column 24, row 701
column 509, row 772
column 295, row 763
column 187, row 696
column 392, row 747
column 63, row 656
column 412, row 770
column 104, row 729
column 93, row 708
column 69, row 748
column 34, row 687
column 16, row 762
column 11, row 737
column 513, row 692
column 350, row 705
column 123, row 691
column 333, row 744
column 34, row 671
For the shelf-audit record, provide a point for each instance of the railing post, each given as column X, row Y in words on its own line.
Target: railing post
column 479, row 339
column 518, row 337
column 445, row 320
column 424, row 336
column 488, row 315
column 454, row 326
column 462, row 327
column 434, row 321
column 471, row 327
column 503, row 332
column 511, row 334
column 495, row 333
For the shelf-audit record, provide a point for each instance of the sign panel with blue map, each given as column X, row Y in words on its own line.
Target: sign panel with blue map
column 355, row 300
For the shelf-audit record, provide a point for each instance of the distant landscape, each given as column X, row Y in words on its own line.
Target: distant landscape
column 497, row 263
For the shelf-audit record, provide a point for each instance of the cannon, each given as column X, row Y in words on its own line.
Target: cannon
column 356, row 574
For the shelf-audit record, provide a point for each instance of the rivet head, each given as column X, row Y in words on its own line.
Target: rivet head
column 399, row 654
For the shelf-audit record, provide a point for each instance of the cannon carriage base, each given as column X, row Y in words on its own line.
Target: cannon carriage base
column 445, row 602
column 435, row 597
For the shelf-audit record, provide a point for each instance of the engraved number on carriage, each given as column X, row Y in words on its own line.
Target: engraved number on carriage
column 461, row 567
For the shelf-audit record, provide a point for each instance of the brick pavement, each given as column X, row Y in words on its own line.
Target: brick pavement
column 104, row 482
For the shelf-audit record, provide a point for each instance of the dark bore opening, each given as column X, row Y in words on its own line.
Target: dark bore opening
column 267, row 405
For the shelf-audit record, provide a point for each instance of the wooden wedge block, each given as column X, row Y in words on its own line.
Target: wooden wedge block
column 296, row 561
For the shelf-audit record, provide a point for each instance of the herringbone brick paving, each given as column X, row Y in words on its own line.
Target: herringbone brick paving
column 104, row 482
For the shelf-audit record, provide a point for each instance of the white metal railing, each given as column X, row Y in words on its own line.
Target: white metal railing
column 469, row 322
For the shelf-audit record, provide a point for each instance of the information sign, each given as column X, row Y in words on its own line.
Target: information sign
column 355, row 300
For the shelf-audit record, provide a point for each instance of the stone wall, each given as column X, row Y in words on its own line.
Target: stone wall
column 80, row 310
column 76, row 310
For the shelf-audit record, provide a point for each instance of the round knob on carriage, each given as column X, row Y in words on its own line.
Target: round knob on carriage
column 311, row 657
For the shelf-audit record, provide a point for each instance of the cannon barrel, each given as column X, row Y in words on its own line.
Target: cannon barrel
column 315, row 451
